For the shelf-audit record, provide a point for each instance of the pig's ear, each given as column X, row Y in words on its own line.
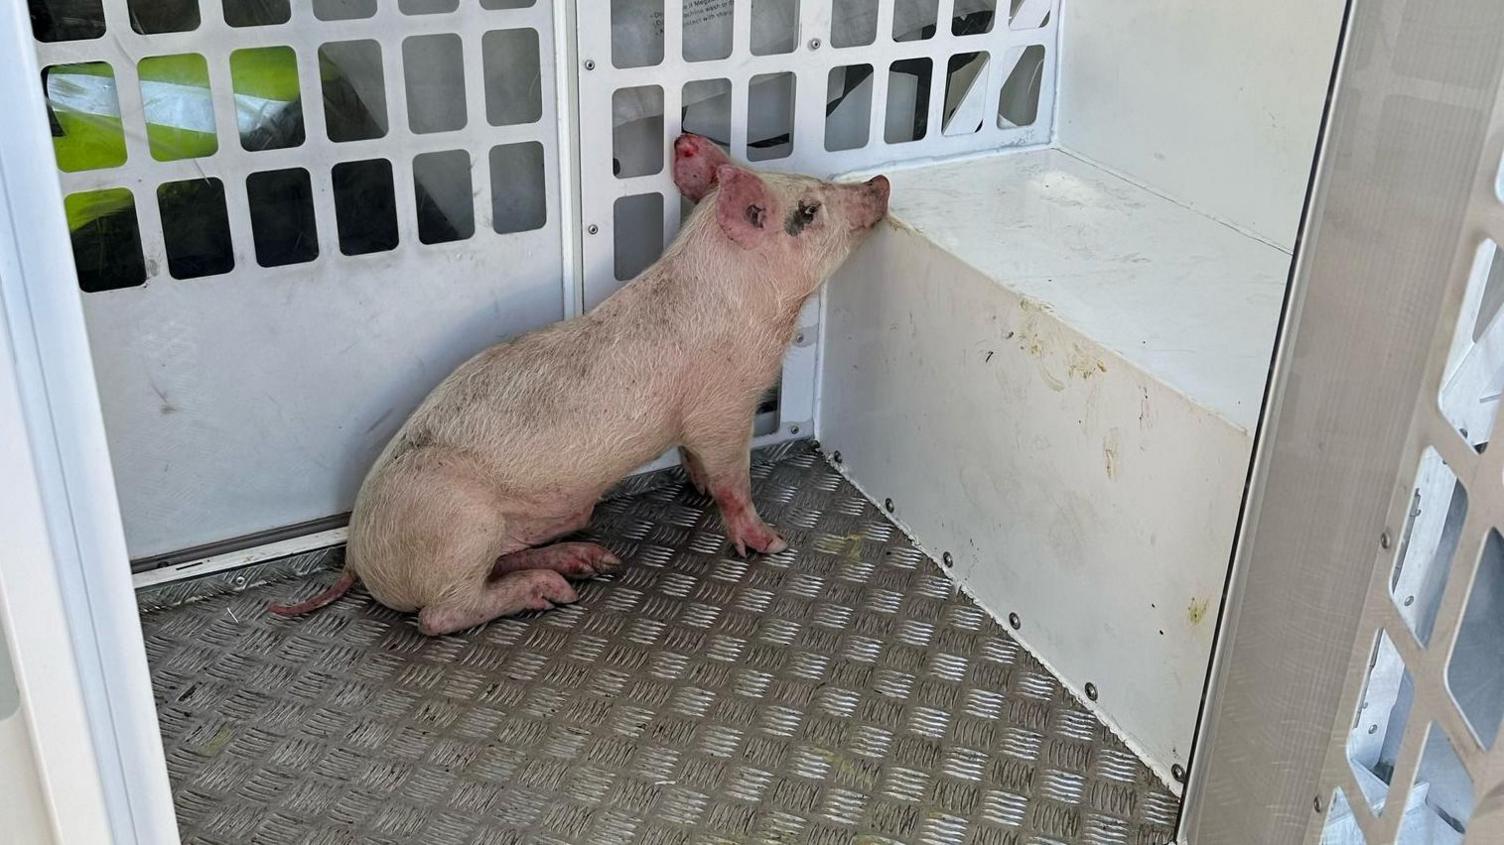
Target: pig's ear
column 696, row 159
column 743, row 207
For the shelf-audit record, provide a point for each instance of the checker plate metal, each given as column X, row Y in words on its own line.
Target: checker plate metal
column 842, row 691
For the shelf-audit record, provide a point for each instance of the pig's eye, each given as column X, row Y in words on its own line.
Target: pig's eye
column 807, row 211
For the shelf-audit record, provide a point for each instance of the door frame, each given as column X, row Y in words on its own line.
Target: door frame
column 1373, row 299
column 86, row 695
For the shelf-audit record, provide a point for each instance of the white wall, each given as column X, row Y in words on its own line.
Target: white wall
column 1214, row 103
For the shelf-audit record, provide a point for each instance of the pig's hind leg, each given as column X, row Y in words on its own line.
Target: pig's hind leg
column 572, row 560
column 513, row 592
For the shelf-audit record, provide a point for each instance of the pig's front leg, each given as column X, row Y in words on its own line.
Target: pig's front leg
column 694, row 469
column 723, row 466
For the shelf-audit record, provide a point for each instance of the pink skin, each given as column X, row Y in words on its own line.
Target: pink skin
column 572, row 560
column 511, row 452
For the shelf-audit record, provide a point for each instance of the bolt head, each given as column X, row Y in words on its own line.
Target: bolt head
column 1014, row 622
column 814, row 43
column 1177, row 772
column 888, row 505
column 799, row 338
column 1091, row 691
column 947, row 560
column 1317, row 804
column 835, row 456
column 590, row 64
column 793, row 429
column 593, row 229
column 1385, row 541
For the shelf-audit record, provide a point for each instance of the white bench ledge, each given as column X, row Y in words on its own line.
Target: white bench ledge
column 1189, row 300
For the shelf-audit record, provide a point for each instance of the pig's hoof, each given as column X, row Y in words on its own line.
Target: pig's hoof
column 546, row 589
column 581, row 560
column 765, row 541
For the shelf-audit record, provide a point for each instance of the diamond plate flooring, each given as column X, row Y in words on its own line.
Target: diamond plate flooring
column 843, row 691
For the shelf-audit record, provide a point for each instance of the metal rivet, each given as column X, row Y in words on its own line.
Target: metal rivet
column 1318, row 803
column 1373, row 729
column 888, row 505
column 793, row 429
column 590, row 64
column 1177, row 772
column 799, row 338
column 1384, row 540
column 946, row 559
column 593, row 229
column 1091, row 691
column 239, row 581
column 814, row 43
column 835, row 456
column 1409, row 600
column 1014, row 622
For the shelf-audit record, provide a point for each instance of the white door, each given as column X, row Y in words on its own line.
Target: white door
column 1358, row 689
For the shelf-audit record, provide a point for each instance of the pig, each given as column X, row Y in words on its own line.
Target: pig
column 458, row 517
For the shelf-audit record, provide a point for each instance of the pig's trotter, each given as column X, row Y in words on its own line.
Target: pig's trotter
column 744, row 528
column 514, row 592
column 757, row 537
column 572, row 560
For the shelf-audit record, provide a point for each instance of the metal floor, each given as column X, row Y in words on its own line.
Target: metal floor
column 840, row 692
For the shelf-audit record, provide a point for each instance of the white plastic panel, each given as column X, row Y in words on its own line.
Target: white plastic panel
column 280, row 318
column 1215, row 103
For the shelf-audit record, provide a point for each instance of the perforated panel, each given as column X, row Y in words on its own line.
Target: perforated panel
column 820, row 87
column 1416, row 756
column 293, row 219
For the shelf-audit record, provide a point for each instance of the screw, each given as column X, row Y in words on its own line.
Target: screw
column 799, row 338
column 946, row 559
column 239, row 581
column 888, row 505
column 814, row 43
column 793, row 429
column 1409, row 600
column 1373, row 729
column 1384, row 540
column 1318, row 803
column 590, row 64
column 1014, row 622
column 835, row 456
column 1091, row 691
column 1177, row 772
column 593, row 229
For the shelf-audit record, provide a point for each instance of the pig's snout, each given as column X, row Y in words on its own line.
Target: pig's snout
column 872, row 201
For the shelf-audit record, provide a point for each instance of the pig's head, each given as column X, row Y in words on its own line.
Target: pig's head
column 796, row 229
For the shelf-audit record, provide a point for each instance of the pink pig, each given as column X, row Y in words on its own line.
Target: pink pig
column 514, row 448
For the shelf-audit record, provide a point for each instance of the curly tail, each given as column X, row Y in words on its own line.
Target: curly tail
column 327, row 597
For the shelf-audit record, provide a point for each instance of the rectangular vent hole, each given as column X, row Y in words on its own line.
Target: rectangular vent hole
column 282, row 217
column 446, row 201
column 365, row 206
